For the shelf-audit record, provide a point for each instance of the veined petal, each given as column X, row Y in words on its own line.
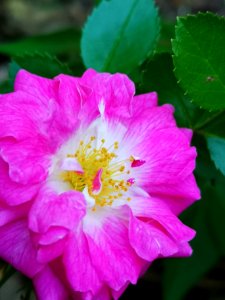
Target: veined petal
column 48, row 253
column 102, row 294
column 188, row 133
column 49, row 287
column 147, row 122
column 149, row 241
column 40, row 87
column 70, row 96
column 15, row 121
column 71, row 164
column 177, row 196
column 142, row 102
column 116, row 294
column 14, row 193
column 105, row 251
column 169, row 158
column 17, row 249
column 9, row 213
column 78, row 257
column 156, row 232
column 59, row 97
column 153, row 209
column 115, row 91
column 20, row 157
column 51, row 210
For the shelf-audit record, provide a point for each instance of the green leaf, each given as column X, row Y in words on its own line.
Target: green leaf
column 42, row 64
column 119, row 35
column 199, row 60
column 181, row 274
column 158, row 76
column 214, row 197
column 216, row 147
column 5, row 87
column 205, row 171
column 97, row 2
column 13, row 70
column 55, row 43
column 214, row 125
column 166, row 35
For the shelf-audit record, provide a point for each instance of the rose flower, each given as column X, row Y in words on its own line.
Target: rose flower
column 92, row 179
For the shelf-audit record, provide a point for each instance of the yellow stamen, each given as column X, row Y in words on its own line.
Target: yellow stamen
column 92, row 159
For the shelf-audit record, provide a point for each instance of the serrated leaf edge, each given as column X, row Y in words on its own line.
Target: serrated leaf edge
column 148, row 55
column 45, row 55
column 174, row 41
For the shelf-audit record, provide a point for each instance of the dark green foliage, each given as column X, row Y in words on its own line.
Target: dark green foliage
column 55, row 43
column 199, row 58
column 42, row 64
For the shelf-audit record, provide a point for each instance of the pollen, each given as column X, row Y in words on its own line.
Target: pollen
column 104, row 175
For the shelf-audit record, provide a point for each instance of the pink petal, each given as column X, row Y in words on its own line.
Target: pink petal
column 188, row 133
column 51, row 210
column 103, row 294
column 40, row 87
column 155, row 209
column 142, row 102
column 156, row 232
column 116, row 294
column 148, row 121
column 88, row 76
column 113, row 258
column 23, row 115
column 116, row 91
column 49, row 287
column 9, row 213
column 51, row 236
column 71, row 164
column 177, row 196
column 16, row 248
column 47, row 253
column 69, row 97
column 185, row 250
column 21, row 157
column 169, row 158
column 60, row 97
column 149, row 241
column 78, row 257
column 14, row 193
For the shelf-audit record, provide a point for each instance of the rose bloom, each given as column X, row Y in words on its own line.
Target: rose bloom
column 92, row 179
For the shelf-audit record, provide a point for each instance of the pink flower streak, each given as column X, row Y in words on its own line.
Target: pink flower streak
column 92, row 180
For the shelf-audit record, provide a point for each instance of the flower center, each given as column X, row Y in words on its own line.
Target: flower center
column 99, row 171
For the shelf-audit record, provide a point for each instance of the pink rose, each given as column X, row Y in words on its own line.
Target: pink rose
column 92, row 180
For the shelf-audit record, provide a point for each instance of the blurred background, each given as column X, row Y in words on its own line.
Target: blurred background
column 24, row 18
column 21, row 18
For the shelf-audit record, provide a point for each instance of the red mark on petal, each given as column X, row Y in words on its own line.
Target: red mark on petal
column 137, row 163
column 131, row 180
column 97, row 182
